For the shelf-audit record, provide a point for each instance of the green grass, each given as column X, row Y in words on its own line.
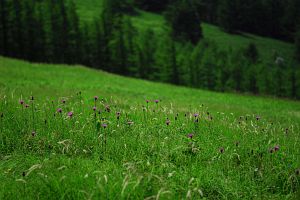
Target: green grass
column 89, row 9
column 76, row 158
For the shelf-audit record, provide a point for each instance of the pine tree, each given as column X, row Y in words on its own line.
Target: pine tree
column 184, row 21
column 228, row 15
column 147, row 48
column 4, row 14
column 74, row 48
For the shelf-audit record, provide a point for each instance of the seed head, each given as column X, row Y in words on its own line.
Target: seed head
column 26, row 106
column 21, row 102
column 33, row 133
column 168, row 122
column 297, row 172
column 222, row 150
column 96, row 98
column 94, row 108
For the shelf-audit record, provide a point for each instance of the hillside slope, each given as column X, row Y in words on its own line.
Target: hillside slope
column 46, row 80
column 90, row 9
column 70, row 132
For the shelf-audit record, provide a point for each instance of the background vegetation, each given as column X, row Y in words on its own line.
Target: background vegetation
column 118, row 37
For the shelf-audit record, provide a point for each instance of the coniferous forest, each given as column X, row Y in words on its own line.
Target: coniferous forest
column 51, row 31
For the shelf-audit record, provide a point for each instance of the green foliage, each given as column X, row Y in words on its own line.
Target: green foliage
column 184, row 21
column 251, row 141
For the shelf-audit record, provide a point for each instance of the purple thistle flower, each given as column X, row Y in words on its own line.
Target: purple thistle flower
column 70, row 114
column 191, row 135
column 63, row 101
column 96, row 98
column 94, row 108
column 156, row 101
column 147, row 101
column 21, row 102
column 222, row 150
column 59, row 110
column 104, row 125
column 276, row 148
column 196, row 115
column 118, row 114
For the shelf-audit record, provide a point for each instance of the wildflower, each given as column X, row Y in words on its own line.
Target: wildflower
column 222, row 150
column 237, row 143
column 156, row 101
column 94, row 108
column 168, row 122
column 21, row 102
column 99, row 112
column 107, row 108
column 196, row 115
column 197, row 120
column 59, row 110
column 257, row 118
column 26, row 106
column 276, row 148
column 191, row 135
column 63, row 101
column 96, row 98
column 33, row 133
column 104, row 125
column 147, row 101
column 70, row 114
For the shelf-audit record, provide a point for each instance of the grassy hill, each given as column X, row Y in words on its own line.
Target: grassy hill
column 90, row 9
column 191, row 144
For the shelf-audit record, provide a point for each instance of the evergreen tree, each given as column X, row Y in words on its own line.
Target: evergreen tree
column 228, row 15
column 184, row 21
column 147, row 49
column 4, row 14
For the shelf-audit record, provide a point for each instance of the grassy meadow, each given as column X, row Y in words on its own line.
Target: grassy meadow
column 70, row 132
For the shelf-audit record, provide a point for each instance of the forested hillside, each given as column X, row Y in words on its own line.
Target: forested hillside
column 172, row 46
